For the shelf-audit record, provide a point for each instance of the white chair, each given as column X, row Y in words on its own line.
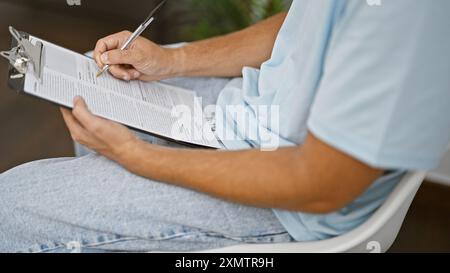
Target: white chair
column 442, row 174
column 375, row 235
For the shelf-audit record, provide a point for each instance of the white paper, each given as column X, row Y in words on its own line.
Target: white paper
column 141, row 105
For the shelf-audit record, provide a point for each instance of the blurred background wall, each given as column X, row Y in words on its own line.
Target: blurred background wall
column 31, row 129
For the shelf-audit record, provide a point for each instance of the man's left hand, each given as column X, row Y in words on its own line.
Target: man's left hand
column 106, row 137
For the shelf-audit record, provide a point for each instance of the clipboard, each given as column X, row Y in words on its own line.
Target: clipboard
column 22, row 53
column 25, row 55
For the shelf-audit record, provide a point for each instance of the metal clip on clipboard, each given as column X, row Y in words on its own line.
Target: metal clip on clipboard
column 23, row 53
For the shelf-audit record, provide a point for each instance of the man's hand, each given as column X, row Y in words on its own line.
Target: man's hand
column 143, row 60
column 103, row 136
column 222, row 56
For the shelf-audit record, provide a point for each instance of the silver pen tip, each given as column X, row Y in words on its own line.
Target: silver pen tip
column 99, row 73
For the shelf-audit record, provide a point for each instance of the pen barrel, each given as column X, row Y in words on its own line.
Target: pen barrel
column 136, row 33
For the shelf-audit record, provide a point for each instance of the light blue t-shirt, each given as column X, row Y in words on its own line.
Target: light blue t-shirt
column 370, row 80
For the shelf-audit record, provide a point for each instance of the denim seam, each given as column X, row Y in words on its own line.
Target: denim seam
column 64, row 245
column 243, row 239
column 154, row 238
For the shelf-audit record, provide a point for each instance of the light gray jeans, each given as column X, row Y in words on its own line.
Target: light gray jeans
column 90, row 204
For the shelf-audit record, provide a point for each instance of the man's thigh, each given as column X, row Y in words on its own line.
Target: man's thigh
column 47, row 205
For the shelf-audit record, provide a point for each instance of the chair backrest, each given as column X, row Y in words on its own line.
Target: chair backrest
column 375, row 235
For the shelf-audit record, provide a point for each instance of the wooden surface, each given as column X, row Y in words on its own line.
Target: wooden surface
column 32, row 129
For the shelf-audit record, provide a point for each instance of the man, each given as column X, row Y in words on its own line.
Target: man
column 363, row 95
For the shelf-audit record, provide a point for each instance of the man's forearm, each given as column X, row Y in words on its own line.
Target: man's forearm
column 225, row 56
column 297, row 178
column 220, row 174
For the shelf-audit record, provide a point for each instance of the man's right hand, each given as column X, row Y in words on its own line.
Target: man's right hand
column 222, row 56
column 143, row 60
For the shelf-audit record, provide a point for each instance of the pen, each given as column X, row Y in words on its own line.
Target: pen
column 135, row 34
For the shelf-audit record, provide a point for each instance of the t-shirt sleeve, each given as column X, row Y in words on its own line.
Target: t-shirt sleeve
column 384, row 97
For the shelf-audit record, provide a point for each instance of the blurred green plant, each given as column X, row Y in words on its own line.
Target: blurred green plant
column 217, row 17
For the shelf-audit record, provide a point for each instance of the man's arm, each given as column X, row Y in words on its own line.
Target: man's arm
column 313, row 177
column 223, row 56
